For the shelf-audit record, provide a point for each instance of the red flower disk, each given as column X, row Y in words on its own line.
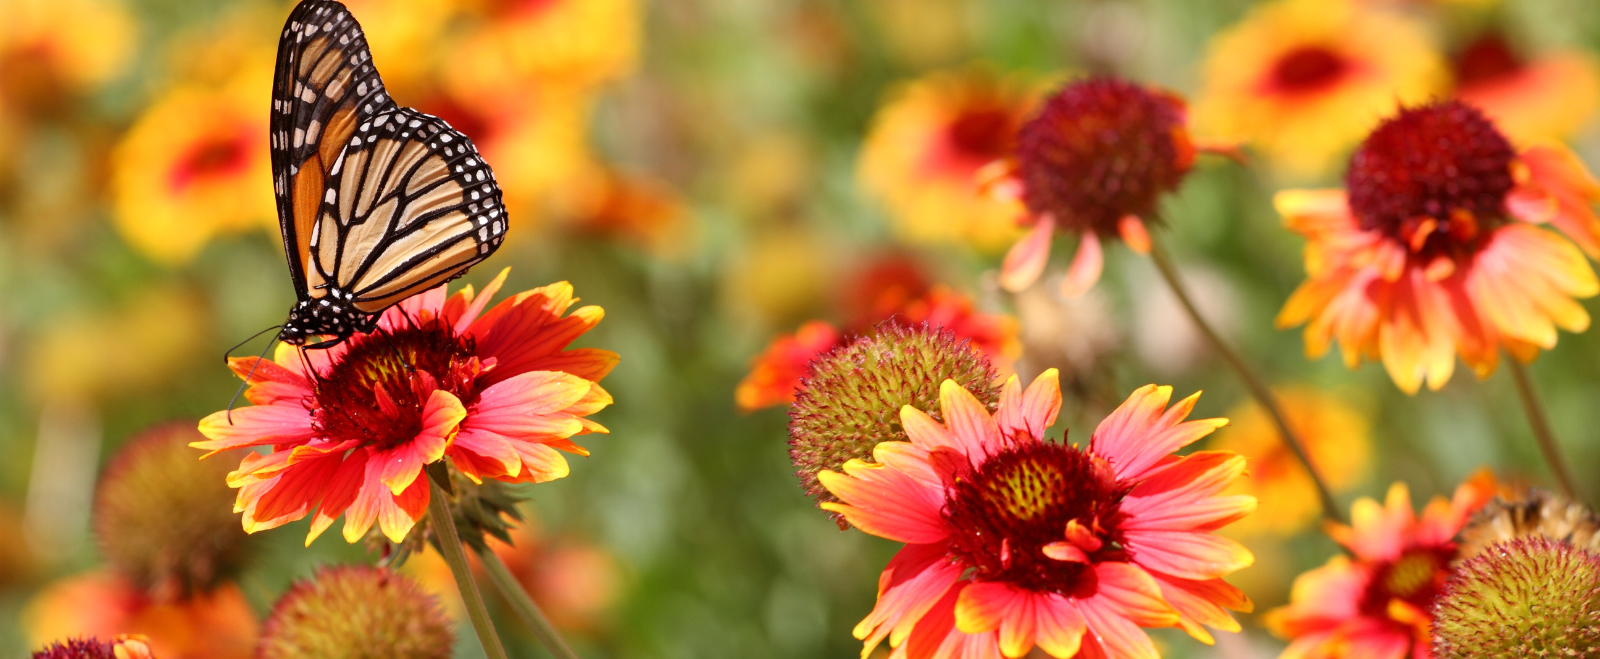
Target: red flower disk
column 1014, row 541
column 350, row 428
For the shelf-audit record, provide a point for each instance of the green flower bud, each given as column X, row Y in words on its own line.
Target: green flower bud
column 852, row 397
column 1528, row 597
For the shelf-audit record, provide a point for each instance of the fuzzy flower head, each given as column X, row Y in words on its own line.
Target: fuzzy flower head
column 124, row 646
column 163, row 519
column 1014, row 540
column 1433, row 249
column 357, row 611
column 852, row 397
column 351, row 427
column 1529, row 597
column 1376, row 602
column 1094, row 162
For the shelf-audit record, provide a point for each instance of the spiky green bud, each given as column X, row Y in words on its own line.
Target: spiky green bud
column 852, row 397
column 356, row 612
column 1528, row 597
column 165, row 520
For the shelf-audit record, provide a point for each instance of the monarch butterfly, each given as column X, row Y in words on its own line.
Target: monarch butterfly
column 376, row 202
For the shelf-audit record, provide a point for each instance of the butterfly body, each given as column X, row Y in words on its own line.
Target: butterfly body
column 376, row 202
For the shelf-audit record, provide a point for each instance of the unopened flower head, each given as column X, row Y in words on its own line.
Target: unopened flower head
column 357, row 611
column 165, row 520
column 1528, row 597
column 852, row 399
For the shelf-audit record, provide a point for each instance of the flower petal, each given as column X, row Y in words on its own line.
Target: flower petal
column 441, row 415
column 987, row 606
column 255, row 426
column 1026, row 260
column 967, row 418
column 914, row 581
column 1033, row 411
column 886, row 502
column 1138, row 434
column 1086, row 267
column 1188, row 554
column 1183, row 494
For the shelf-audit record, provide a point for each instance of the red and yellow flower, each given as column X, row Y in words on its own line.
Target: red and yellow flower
column 1014, row 541
column 1546, row 97
column 1335, row 433
column 1377, row 603
column 215, row 625
column 1303, row 80
column 926, row 146
column 1093, row 162
column 53, row 50
column 777, row 371
column 351, row 427
column 1436, row 250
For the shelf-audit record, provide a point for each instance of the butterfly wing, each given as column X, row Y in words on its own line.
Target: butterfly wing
column 409, row 205
column 324, row 87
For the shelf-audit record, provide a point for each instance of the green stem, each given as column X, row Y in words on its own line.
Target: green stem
column 1253, row 382
column 1541, row 427
column 525, row 607
column 444, row 524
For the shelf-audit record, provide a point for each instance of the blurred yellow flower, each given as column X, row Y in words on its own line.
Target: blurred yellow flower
column 926, row 146
column 132, row 349
column 632, row 209
column 1336, row 432
column 564, row 43
column 215, row 625
column 401, row 34
column 779, row 278
column 1304, row 80
column 1547, row 97
column 53, row 48
column 193, row 165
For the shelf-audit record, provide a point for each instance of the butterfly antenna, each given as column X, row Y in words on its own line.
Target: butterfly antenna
column 246, row 382
column 240, row 344
column 398, row 355
column 407, row 316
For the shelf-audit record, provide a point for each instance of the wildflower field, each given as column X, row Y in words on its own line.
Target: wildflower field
column 703, row 329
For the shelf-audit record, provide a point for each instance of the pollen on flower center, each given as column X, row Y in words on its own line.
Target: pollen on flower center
column 1415, row 578
column 1101, row 149
column 1434, row 177
column 376, row 391
column 1020, row 500
column 1308, row 68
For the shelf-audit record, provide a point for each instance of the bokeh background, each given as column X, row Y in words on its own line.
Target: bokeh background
column 714, row 173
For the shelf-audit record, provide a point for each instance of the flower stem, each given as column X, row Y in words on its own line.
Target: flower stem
column 525, row 607
column 444, row 524
column 1252, row 381
column 1541, row 426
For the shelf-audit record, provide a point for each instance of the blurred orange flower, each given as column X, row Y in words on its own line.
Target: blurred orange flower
column 215, row 625
column 1377, row 603
column 497, row 391
column 1436, row 251
column 1336, row 434
column 53, row 49
column 1303, row 80
column 516, row 44
column 632, row 209
column 777, row 371
column 1547, row 97
column 191, row 167
column 925, row 148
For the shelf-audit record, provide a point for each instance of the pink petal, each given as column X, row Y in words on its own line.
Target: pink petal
column 987, row 606
column 540, row 463
column 968, row 419
column 1202, row 603
column 1183, row 494
column 479, row 301
column 1138, row 434
column 1115, row 635
column 1060, row 625
column 1033, row 411
column 926, row 433
column 530, row 405
column 914, row 581
column 1129, row 592
column 481, row 454
column 441, row 415
column 1188, row 554
column 886, row 502
column 343, row 487
column 1086, row 267
column 1133, row 232
column 269, row 381
column 1026, row 260
column 255, row 426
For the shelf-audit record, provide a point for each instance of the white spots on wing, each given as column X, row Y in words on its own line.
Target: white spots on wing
column 361, row 89
column 332, row 196
column 313, row 130
column 445, row 137
column 480, row 175
column 308, row 96
column 415, row 123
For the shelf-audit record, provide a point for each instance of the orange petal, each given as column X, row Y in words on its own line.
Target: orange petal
column 1026, row 260
column 1134, row 234
column 1086, row 267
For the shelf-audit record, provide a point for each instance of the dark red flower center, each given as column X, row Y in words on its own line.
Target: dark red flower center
column 377, row 390
column 1101, row 149
column 1414, row 578
column 78, row 648
column 1020, row 500
column 1486, row 59
column 1434, row 177
column 215, row 156
column 1307, row 69
column 983, row 133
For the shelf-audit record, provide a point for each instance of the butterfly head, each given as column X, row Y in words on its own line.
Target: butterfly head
column 324, row 317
